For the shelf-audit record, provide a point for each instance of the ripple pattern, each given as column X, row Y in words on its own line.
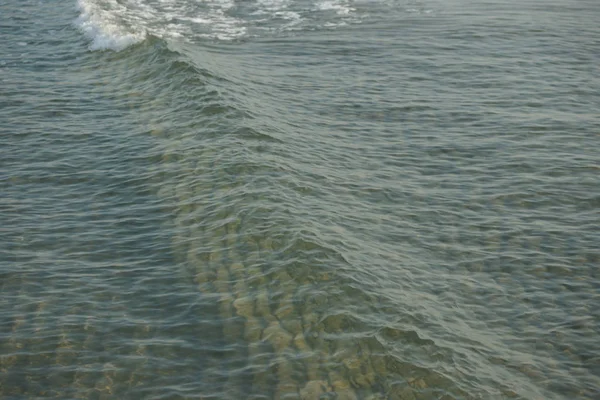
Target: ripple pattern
column 402, row 211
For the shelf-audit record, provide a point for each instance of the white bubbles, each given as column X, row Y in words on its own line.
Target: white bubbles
column 99, row 21
column 340, row 7
column 116, row 24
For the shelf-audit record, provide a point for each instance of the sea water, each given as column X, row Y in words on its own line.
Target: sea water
column 314, row 199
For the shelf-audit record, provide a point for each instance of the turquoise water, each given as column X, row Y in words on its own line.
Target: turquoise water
column 313, row 199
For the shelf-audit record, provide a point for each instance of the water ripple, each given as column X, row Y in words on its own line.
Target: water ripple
column 407, row 211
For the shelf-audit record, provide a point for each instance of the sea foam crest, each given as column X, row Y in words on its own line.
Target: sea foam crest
column 99, row 21
column 116, row 24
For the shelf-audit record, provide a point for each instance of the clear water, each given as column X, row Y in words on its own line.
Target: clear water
column 299, row 199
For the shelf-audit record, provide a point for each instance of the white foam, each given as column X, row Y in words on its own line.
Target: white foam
column 98, row 22
column 116, row 24
column 341, row 7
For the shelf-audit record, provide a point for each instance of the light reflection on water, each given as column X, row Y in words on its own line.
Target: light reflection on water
column 376, row 211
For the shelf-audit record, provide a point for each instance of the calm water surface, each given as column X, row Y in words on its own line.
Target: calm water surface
column 313, row 199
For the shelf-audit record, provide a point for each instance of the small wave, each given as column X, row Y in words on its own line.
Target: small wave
column 102, row 27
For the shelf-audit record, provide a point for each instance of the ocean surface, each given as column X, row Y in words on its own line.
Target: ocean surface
column 300, row 199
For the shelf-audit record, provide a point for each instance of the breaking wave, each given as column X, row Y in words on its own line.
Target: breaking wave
column 117, row 24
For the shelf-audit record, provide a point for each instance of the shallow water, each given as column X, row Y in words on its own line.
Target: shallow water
column 299, row 199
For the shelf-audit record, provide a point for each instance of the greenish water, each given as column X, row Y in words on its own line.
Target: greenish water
column 299, row 199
